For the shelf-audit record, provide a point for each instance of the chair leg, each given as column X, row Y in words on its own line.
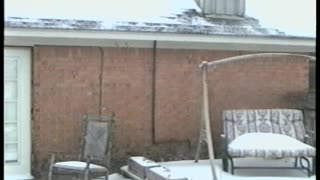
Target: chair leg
column 196, row 157
column 107, row 174
column 313, row 165
column 232, row 166
column 51, row 166
column 200, row 142
column 50, row 174
column 86, row 174
column 225, row 153
column 308, row 168
column 231, row 163
column 296, row 162
column 225, row 164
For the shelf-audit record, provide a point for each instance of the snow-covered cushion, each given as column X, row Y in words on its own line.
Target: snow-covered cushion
column 269, row 145
column 78, row 165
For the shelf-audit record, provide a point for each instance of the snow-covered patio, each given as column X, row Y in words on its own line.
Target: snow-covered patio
column 202, row 170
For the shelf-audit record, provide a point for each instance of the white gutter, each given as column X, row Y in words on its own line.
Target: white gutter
column 31, row 37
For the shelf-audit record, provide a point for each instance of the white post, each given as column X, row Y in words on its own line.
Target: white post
column 206, row 114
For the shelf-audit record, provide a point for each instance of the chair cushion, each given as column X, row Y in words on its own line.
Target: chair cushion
column 269, row 145
column 79, row 166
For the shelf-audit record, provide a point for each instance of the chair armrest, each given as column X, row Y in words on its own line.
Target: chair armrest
column 64, row 155
column 223, row 137
column 103, row 161
column 224, row 142
column 309, row 138
column 310, row 132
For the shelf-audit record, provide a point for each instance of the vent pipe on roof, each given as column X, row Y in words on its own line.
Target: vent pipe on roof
column 222, row 8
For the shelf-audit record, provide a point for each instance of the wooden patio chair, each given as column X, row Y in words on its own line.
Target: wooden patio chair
column 94, row 157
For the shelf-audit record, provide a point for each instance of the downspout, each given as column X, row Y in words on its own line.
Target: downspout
column 101, row 79
column 153, row 92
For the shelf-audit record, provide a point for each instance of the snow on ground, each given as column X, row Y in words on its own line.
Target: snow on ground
column 202, row 170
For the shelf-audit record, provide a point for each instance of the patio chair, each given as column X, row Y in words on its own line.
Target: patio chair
column 266, row 133
column 94, row 157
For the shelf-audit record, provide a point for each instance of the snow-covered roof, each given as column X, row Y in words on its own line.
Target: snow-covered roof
column 168, row 16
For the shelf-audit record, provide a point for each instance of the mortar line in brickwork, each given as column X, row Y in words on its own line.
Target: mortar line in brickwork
column 101, row 80
column 153, row 91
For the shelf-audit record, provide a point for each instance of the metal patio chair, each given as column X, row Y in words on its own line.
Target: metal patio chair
column 94, row 157
column 269, row 134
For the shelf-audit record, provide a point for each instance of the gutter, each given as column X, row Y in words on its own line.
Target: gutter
column 31, row 37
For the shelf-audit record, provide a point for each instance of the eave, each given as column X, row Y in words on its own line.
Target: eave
column 63, row 37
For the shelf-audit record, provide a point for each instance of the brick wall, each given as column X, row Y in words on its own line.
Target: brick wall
column 65, row 85
column 126, row 91
column 178, row 92
column 71, row 81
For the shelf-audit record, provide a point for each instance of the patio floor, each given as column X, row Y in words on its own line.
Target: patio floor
column 202, row 170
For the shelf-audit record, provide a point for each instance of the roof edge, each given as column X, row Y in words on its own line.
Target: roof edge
column 31, row 37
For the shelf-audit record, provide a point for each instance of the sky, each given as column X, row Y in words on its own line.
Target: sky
column 296, row 17
column 96, row 9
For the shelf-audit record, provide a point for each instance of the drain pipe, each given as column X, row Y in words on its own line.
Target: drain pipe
column 101, row 79
column 153, row 96
column 153, row 91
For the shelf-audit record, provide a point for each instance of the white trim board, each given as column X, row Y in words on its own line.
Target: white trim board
column 22, row 168
column 31, row 37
